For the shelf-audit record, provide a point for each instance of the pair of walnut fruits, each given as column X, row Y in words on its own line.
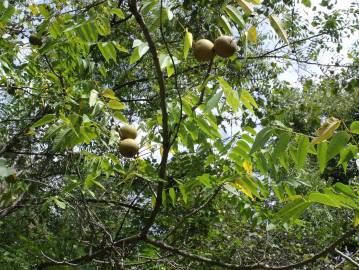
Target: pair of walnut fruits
column 128, row 146
column 223, row 46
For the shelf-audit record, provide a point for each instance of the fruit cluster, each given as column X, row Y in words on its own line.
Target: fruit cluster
column 223, row 46
column 128, row 146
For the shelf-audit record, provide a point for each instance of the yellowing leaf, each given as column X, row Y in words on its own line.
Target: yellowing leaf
column 356, row 219
column 188, row 40
column 278, row 28
column 247, row 167
column 256, row 2
column 247, row 8
column 354, row 127
column 239, row 185
column 116, row 105
column 252, row 34
column 109, row 93
column 326, row 130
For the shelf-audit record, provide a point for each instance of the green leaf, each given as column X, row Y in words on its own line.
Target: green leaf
column 326, row 130
column 210, row 130
column 116, row 105
column 293, row 209
column 302, row 151
column 187, row 44
column 118, row 12
column 87, row 32
column 322, row 149
column 247, row 99
column 261, row 138
column 214, row 100
column 347, row 190
column 247, row 8
column 109, row 93
column 141, row 48
column 183, row 193
column 354, row 127
column 59, row 203
column 248, row 186
column 205, row 179
column 348, row 153
column 231, row 95
column 172, row 193
column 103, row 26
column 44, row 120
column 307, row 3
column 281, row 144
column 336, row 144
column 278, row 28
column 108, row 50
column 60, row 138
column 235, row 16
column 224, row 23
column 323, row 199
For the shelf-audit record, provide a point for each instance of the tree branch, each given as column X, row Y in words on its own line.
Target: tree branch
column 89, row 257
column 165, row 129
column 346, row 257
column 206, row 260
column 193, row 212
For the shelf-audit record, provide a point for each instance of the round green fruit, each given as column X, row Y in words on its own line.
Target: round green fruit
column 128, row 148
column 203, row 50
column 225, row 46
column 128, row 132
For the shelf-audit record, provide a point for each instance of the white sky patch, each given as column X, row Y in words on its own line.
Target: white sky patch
column 296, row 71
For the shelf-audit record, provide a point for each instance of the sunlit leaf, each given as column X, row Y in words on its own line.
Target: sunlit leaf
column 247, row 8
column 323, row 199
column 108, row 50
column 326, row 130
column 231, row 95
column 278, row 28
column 116, row 105
column 252, row 34
column 93, row 97
column 354, row 127
column 235, row 16
column 224, row 23
column 188, row 39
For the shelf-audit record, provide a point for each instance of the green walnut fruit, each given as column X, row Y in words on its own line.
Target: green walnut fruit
column 35, row 40
column 203, row 50
column 128, row 132
column 225, row 46
column 128, row 148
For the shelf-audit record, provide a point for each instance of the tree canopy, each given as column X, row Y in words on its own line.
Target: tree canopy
column 237, row 157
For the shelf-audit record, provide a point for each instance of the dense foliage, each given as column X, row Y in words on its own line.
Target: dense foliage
column 246, row 162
